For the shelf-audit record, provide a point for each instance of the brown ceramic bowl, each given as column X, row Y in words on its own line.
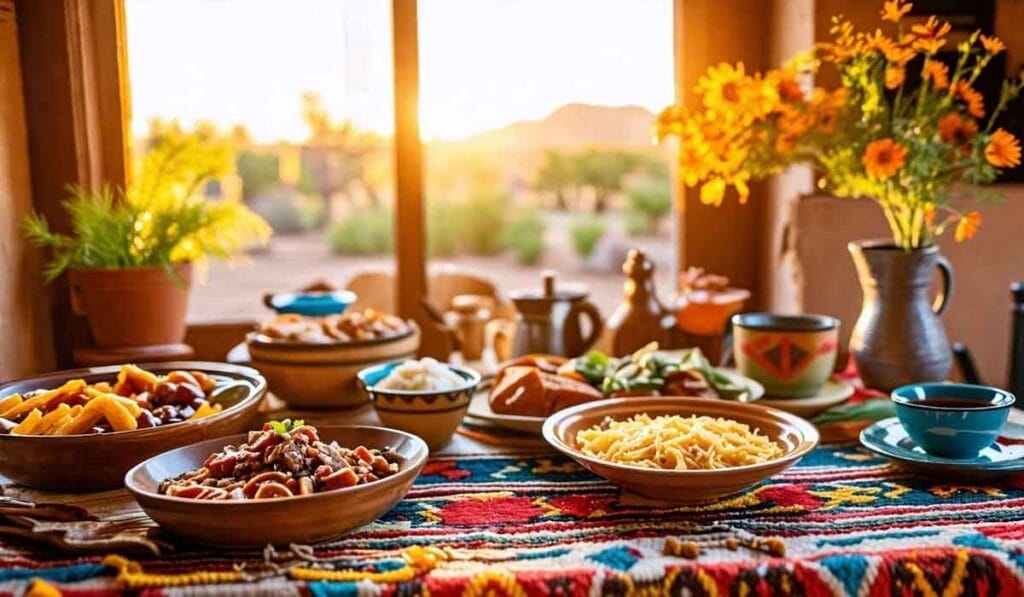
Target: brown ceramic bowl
column 277, row 521
column 96, row 462
column 797, row 436
column 320, row 376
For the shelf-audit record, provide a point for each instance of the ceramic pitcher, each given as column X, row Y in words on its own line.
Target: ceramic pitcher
column 899, row 338
column 551, row 321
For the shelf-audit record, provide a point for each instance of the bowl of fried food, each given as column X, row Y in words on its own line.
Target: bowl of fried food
column 312, row 362
column 81, row 430
column 286, row 483
column 680, row 450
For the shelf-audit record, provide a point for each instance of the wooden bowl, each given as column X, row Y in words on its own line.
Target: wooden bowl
column 795, row 435
column 277, row 521
column 96, row 462
column 319, row 376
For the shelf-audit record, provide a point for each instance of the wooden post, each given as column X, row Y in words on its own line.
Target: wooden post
column 410, row 229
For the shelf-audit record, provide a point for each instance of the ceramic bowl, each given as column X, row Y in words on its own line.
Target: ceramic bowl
column 795, row 435
column 791, row 355
column 278, row 521
column 432, row 415
column 320, row 376
column 96, row 462
column 952, row 432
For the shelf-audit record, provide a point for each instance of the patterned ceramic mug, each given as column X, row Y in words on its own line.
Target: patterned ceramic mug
column 791, row 355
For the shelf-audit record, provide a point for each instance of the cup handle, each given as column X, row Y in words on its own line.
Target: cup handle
column 498, row 334
column 942, row 299
column 575, row 344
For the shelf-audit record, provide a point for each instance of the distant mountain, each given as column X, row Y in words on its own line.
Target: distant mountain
column 572, row 126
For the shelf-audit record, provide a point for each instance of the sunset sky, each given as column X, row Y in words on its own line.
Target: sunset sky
column 484, row 63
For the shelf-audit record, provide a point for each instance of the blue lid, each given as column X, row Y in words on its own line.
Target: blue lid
column 313, row 304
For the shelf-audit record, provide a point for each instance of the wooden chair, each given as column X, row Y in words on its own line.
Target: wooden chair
column 1015, row 381
column 374, row 289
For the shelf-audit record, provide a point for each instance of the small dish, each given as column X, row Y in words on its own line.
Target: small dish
column 275, row 521
column 888, row 438
column 952, row 420
column 96, row 462
column 319, row 376
column 432, row 415
column 313, row 304
column 833, row 393
column 795, row 435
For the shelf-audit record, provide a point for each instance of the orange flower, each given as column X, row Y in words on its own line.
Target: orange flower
column 883, row 158
column 970, row 96
column 1003, row 150
column 993, row 45
column 788, row 88
column 929, row 214
column 894, row 76
column 930, row 35
column 893, row 10
column 898, row 55
column 936, row 72
column 956, row 130
column 967, row 226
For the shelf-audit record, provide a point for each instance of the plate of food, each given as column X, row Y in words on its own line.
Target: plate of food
column 528, row 389
column 680, row 450
column 301, row 484
column 81, row 430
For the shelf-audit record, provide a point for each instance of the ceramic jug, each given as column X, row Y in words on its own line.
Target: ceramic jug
column 899, row 338
column 551, row 321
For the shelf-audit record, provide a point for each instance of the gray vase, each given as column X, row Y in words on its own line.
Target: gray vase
column 899, row 338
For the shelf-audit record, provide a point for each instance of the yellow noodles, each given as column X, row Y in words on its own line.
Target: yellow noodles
column 679, row 443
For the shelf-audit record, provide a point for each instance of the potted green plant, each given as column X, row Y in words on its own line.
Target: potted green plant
column 903, row 128
column 131, row 251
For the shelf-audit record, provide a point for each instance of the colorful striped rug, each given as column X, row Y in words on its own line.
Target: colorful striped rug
column 479, row 524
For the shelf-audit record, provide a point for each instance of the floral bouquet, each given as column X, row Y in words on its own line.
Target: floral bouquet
column 904, row 143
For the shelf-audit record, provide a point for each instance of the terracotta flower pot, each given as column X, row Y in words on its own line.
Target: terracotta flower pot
column 899, row 338
column 132, row 306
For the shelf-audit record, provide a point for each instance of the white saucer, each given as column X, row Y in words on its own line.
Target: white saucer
column 831, row 394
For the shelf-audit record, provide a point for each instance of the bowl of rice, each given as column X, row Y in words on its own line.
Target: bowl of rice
column 424, row 397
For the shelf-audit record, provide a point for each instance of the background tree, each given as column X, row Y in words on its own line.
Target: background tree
column 604, row 171
column 555, row 174
column 334, row 155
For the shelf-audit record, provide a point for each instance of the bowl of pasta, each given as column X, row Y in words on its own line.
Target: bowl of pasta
column 680, row 450
column 82, row 429
column 301, row 483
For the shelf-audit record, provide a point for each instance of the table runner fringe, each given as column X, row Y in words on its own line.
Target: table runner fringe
column 418, row 561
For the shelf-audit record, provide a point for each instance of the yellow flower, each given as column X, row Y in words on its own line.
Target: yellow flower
column 1003, row 150
column 694, row 162
column 967, row 227
column 669, row 122
column 893, row 10
column 740, row 183
column 894, row 76
column 712, row 192
column 725, row 88
column 936, row 72
column 993, row 45
column 883, row 158
column 930, row 35
column 956, row 130
column 970, row 96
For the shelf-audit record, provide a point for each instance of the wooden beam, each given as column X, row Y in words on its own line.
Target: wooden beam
column 410, row 229
column 75, row 78
column 725, row 240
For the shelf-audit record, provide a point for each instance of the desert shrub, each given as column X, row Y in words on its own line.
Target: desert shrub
column 365, row 231
column 524, row 235
column 258, row 171
column 311, row 213
column 652, row 200
column 635, row 223
column 280, row 209
column 443, row 227
column 481, row 220
column 586, row 233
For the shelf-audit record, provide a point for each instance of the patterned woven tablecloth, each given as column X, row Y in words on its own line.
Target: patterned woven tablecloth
column 535, row 523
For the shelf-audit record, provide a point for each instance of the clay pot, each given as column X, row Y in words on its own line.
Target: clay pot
column 132, row 306
column 899, row 338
